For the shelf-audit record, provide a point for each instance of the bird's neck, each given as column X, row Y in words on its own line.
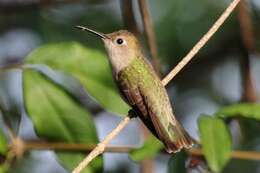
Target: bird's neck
column 120, row 61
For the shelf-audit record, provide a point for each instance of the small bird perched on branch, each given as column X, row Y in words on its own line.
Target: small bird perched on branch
column 142, row 89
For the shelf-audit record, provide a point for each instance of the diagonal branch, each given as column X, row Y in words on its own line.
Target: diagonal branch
column 201, row 42
column 101, row 146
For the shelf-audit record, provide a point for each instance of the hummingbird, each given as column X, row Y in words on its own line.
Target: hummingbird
column 142, row 89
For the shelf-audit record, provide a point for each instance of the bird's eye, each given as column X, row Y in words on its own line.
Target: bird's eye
column 119, row 41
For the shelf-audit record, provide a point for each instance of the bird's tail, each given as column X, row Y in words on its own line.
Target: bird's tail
column 180, row 139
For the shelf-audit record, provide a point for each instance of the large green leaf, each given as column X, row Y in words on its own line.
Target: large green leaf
column 247, row 110
column 89, row 66
column 150, row 148
column 177, row 163
column 216, row 142
column 58, row 118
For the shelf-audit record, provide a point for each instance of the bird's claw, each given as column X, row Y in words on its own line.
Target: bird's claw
column 132, row 113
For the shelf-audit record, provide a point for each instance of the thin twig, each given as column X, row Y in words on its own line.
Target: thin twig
column 101, row 146
column 36, row 145
column 8, row 67
column 248, row 92
column 149, row 33
column 246, row 26
column 201, row 42
column 245, row 155
column 248, row 47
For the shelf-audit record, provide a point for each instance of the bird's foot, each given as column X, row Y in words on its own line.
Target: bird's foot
column 132, row 113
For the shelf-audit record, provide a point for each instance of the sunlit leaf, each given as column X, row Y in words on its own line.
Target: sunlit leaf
column 57, row 117
column 216, row 142
column 89, row 66
column 3, row 169
column 149, row 150
column 246, row 110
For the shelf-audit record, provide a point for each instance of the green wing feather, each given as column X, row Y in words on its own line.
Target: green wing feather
column 143, row 90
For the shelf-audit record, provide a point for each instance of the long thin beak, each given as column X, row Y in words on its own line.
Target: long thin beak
column 103, row 36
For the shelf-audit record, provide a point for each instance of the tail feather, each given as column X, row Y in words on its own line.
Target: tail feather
column 181, row 139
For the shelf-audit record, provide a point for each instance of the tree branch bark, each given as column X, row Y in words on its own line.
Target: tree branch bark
column 245, row 155
column 30, row 145
column 80, row 147
column 248, row 48
column 101, row 146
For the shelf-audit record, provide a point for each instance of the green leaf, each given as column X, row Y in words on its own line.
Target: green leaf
column 89, row 66
column 3, row 169
column 149, row 150
column 57, row 117
column 216, row 142
column 4, row 166
column 177, row 163
column 247, row 110
column 3, row 143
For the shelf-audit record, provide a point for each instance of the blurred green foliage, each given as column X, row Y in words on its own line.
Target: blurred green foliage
column 177, row 163
column 246, row 110
column 149, row 150
column 3, row 143
column 89, row 66
column 58, row 116
column 216, row 142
